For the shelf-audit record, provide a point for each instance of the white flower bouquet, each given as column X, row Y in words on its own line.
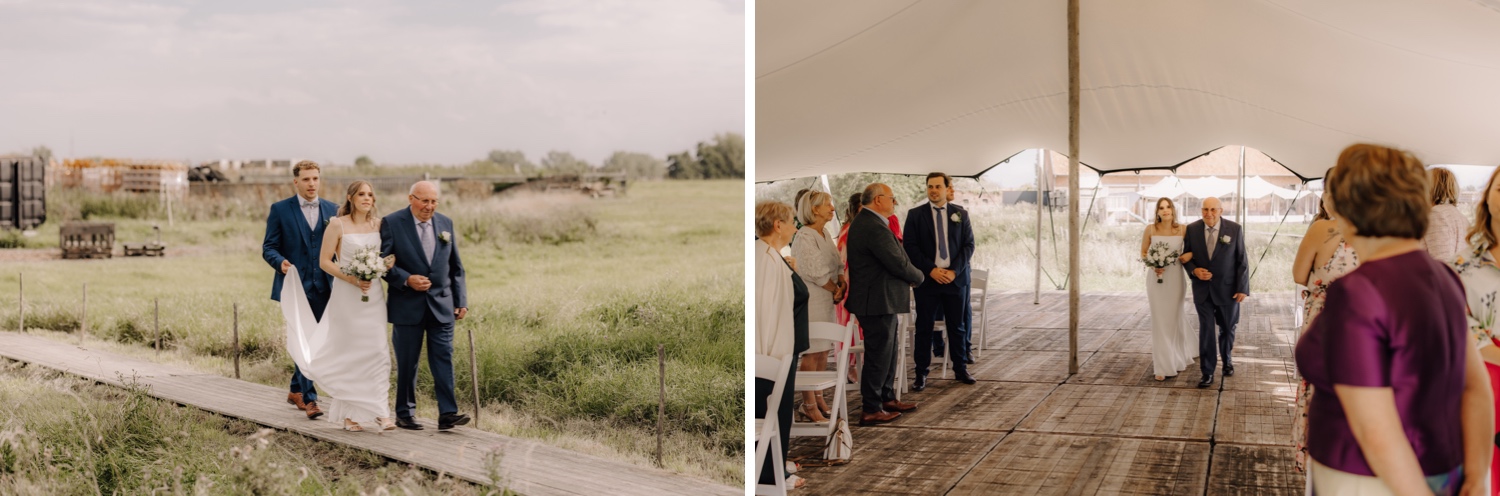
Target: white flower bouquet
column 1160, row 256
column 365, row 265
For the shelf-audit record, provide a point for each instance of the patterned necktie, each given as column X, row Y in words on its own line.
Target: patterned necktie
column 424, row 232
column 1213, row 242
column 942, row 235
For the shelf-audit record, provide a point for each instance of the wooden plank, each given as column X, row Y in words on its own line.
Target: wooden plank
column 897, row 461
column 1260, row 374
column 1030, row 463
column 1023, row 366
column 1254, row 470
column 1032, row 339
column 1256, row 417
column 527, row 466
column 1131, row 369
column 1092, row 317
column 1158, row 413
column 1129, row 342
column 985, row 406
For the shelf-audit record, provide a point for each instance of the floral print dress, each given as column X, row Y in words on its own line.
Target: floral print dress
column 1342, row 262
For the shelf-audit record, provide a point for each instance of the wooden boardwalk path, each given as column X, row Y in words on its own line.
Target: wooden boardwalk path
column 1028, row 427
column 527, row 467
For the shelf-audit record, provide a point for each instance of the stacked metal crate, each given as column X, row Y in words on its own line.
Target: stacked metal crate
column 23, row 190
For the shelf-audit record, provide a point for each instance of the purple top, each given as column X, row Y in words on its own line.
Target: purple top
column 1396, row 322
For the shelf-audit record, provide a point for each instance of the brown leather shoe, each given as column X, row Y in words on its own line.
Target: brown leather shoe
column 897, row 406
column 313, row 412
column 295, row 399
column 878, row 418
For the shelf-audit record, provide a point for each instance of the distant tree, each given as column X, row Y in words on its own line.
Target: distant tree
column 43, row 152
column 636, row 166
column 512, row 161
column 724, row 158
column 364, row 162
column 558, row 162
column 683, row 166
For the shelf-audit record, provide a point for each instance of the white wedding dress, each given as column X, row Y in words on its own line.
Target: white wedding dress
column 346, row 354
column 1174, row 343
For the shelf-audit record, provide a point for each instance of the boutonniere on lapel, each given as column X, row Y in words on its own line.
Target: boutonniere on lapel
column 956, row 218
column 1224, row 239
column 445, row 237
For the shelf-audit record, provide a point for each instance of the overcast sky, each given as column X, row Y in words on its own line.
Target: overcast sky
column 402, row 82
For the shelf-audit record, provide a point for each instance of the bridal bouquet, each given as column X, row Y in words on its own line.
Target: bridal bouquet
column 366, row 265
column 1160, row 256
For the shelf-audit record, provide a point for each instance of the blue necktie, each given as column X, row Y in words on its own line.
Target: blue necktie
column 942, row 235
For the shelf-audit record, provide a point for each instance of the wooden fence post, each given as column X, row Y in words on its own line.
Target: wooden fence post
column 661, row 406
column 21, row 277
column 83, row 319
column 474, row 376
column 156, row 317
column 236, row 340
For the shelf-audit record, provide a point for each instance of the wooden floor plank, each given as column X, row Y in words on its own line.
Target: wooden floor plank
column 1254, row 471
column 1033, row 463
column 898, row 461
column 1256, row 417
column 1185, row 414
column 527, row 466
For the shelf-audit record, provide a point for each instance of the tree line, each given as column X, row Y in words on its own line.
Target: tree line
column 721, row 158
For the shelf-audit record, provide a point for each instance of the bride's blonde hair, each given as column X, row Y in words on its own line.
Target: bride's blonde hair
column 1170, row 203
column 348, row 207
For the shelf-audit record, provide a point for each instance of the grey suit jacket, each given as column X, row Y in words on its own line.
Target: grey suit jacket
column 880, row 276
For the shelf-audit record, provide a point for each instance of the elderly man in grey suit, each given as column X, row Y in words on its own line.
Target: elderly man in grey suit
column 880, row 282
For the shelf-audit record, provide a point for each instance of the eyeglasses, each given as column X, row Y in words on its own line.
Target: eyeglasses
column 894, row 201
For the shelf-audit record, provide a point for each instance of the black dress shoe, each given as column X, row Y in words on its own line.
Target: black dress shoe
column 919, row 384
column 937, row 350
column 1228, row 370
column 1207, row 381
column 408, row 423
column 966, row 378
column 968, row 361
column 448, row 420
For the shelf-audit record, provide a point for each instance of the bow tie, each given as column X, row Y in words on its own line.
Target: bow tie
column 309, row 204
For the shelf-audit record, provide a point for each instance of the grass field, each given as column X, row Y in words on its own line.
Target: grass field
column 569, row 299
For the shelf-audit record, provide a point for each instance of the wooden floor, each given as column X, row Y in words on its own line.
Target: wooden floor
column 527, row 467
column 1028, row 427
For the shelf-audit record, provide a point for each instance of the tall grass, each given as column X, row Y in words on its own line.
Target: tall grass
column 62, row 435
column 566, row 332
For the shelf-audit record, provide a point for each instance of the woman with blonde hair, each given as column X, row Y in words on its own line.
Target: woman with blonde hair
column 1477, row 269
column 1446, row 225
column 1165, row 288
column 818, row 265
column 1401, row 400
column 780, row 317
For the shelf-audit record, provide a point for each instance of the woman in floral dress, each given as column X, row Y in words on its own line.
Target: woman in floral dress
column 1477, row 269
column 1322, row 257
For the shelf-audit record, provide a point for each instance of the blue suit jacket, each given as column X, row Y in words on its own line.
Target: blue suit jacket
column 1230, row 265
column 406, row 306
column 289, row 238
column 920, row 240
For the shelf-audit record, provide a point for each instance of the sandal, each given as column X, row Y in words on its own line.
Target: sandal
column 794, row 482
column 807, row 414
column 352, row 426
column 386, row 424
column 792, row 467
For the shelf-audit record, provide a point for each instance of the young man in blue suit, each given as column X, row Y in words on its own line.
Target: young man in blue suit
column 427, row 296
column 294, row 236
column 939, row 240
column 1220, row 271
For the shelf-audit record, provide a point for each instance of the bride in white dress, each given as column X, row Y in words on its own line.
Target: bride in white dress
column 347, row 353
column 1173, row 344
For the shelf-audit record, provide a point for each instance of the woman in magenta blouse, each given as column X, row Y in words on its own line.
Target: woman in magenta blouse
column 1402, row 402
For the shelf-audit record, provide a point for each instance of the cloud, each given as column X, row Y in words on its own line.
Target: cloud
column 400, row 82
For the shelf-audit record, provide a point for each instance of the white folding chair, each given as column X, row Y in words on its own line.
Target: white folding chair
column 767, row 436
column 822, row 338
column 979, row 281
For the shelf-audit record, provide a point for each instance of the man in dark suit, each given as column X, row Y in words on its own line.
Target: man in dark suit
column 880, row 281
column 294, row 237
column 939, row 240
column 427, row 296
column 1220, row 271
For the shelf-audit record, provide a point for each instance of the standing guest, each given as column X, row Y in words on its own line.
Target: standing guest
column 294, row 237
column 780, row 318
column 880, row 282
column 1446, row 225
column 1220, row 271
column 939, row 240
column 798, row 201
column 818, row 266
column 1323, row 256
column 1481, row 277
column 968, row 308
column 1401, row 400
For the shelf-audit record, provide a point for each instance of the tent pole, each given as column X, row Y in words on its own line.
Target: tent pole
column 1074, row 92
column 1036, row 298
column 1243, row 204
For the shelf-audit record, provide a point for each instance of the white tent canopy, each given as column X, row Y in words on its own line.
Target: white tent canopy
column 910, row 86
column 1168, row 187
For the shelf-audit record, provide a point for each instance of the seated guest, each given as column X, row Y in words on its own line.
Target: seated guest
column 1445, row 225
column 1401, row 400
column 780, row 317
column 1481, row 277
